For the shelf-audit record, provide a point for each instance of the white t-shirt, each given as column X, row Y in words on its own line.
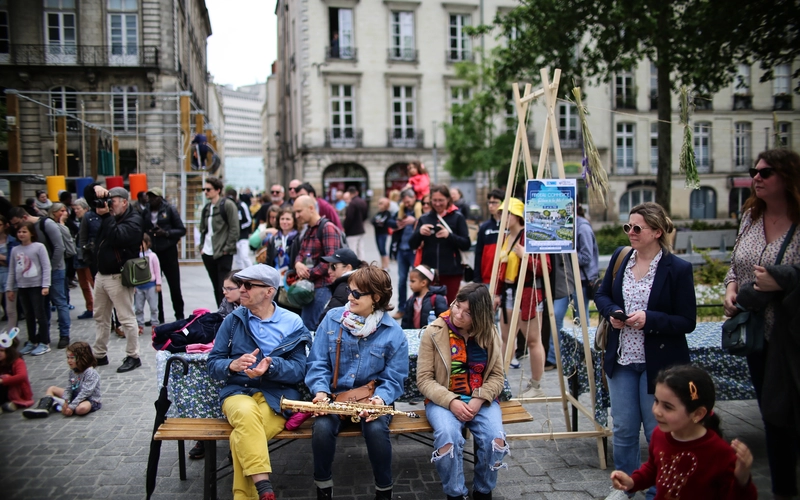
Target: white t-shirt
column 208, row 247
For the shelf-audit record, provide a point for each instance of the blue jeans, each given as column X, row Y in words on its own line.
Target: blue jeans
column 405, row 259
column 58, row 297
column 380, row 239
column 379, row 449
column 311, row 312
column 631, row 407
column 485, row 427
column 560, row 307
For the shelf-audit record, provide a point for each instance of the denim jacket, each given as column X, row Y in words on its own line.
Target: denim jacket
column 286, row 371
column 382, row 356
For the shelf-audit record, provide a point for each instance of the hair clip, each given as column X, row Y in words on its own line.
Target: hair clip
column 693, row 391
column 6, row 338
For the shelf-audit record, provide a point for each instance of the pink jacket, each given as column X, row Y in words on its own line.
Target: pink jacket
column 421, row 184
column 19, row 387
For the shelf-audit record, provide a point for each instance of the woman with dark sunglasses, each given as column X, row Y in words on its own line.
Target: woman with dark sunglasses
column 356, row 345
column 756, row 281
column 651, row 306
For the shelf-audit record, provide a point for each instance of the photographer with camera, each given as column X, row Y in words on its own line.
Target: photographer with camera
column 165, row 227
column 118, row 240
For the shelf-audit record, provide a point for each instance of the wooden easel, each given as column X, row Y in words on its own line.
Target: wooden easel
column 549, row 92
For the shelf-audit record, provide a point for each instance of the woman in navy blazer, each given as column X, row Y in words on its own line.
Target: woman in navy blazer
column 655, row 290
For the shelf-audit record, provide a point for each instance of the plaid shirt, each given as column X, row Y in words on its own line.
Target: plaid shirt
column 319, row 247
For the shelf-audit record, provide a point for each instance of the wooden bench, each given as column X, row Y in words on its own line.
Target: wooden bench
column 211, row 430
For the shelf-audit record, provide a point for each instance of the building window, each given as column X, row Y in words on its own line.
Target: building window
column 63, row 99
column 736, row 199
column 784, row 135
column 123, row 36
column 703, row 204
column 125, row 5
column 460, row 48
column 633, row 197
column 59, row 4
column 654, row 148
column 343, row 132
column 741, row 145
column 402, row 37
column 341, row 34
column 458, row 97
column 510, row 113
column 741, row 84
column 404, row 117
column 702, row 146
column 124, row 102
column 780, row 88
column 5, row 38
column 60, row 33
column 625, row 149
column 653, row 86
column 568, row 128
column 624, row 91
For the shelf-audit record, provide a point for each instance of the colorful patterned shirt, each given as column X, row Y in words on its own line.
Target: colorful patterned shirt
column 467, row 365
column 636, row 295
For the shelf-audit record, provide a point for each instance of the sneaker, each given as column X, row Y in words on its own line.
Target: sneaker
column 52, row 308
column 533, row 390
column 267, row 495
column 44, row 409
column 40, row 349
column 86, row 315
column 102, row 361
column 324, row 493
column 9, row 407
column 27, row 348
column 548, row 366
column 129, row 364
column 63, row 342
column 198, row 451
column 70, row 307
column 514, row 363
column 147, row 323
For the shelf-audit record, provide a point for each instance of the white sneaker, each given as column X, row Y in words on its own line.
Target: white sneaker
column 532, row 391
column 27, row 348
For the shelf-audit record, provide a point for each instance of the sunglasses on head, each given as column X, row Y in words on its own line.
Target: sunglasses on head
column 637, row 229
column 765, row 172
column 355, row 293
column 249, row 285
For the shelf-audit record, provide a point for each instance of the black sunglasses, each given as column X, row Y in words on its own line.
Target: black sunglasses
column 207, row 189
column 249, row 285
column 637, row 229
column 355, row 293
column 275, row 192
column 765, row 172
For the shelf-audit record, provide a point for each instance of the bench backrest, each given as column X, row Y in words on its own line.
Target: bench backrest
column 721, row 239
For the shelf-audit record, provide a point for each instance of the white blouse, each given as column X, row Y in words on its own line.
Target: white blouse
column 635, row 294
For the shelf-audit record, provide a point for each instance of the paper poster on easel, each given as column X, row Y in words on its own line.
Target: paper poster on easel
column 550, row 215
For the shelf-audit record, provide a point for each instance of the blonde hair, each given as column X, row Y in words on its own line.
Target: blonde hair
column 657, row 219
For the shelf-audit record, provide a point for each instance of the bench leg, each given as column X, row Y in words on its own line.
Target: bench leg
column 182, row 459
column 210, row 472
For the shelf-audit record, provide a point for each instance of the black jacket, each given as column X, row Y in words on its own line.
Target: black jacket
column 356, row 214
column 439, row 306
column 443, row 254
column 338, row 294
column 168, row 220
column 119, row 239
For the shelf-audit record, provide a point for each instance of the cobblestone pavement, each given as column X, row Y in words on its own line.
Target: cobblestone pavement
column 104, row 455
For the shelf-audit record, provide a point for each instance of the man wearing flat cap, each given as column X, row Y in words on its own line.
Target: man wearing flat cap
column 165, row 227
column 118, row 240
column 260, row 354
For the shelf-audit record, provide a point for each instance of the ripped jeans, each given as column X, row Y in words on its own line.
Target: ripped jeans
column 486, row 427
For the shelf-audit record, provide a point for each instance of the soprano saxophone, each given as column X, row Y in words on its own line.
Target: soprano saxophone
column 351, row 409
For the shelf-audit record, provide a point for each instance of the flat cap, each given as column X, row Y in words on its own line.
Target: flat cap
column 119, row 192
column 260, row 272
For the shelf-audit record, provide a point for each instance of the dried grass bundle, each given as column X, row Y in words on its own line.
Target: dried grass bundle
column 593, row 172
column 688, row 163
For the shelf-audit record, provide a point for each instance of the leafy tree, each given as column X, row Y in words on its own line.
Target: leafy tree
column 696, row 43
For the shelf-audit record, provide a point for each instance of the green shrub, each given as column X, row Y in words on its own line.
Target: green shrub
column 609, row 238
column 712, row 272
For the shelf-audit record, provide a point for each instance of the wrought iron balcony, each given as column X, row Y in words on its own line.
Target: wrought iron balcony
column 341, row 53
column 404, row 55
column 570, row 140
column 741, row 101
column 405, row 138
column 83, row 55
column 459, row 55
column 782, row 102
column 345, row 137
column 626, row 101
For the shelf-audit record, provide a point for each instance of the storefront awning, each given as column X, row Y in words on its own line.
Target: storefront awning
column 741, row 182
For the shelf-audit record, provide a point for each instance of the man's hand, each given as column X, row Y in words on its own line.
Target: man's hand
column 407, row 221
column 302, row 270
column 321, row 396
column 377, row 400
column 102, row 211
column 243, row 362
column 160, row 232
column 101, row 192
column 45, row 291
column 260, row 369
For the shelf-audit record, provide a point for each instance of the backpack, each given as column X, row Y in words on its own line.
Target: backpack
column 221, row 210
column 69, row 244
column 199, row 328
column 294, row 249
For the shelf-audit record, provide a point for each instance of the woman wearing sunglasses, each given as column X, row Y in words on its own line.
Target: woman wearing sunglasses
column 651, row 306
column 460, row 373
column 758, row 282
column 370, row 347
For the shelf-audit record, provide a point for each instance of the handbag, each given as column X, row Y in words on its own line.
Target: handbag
column 469, row 273
column 604, row 327
column 360, row 394
column 743, row 334
column 135, row 271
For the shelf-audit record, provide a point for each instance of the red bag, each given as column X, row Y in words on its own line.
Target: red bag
column 418, row 255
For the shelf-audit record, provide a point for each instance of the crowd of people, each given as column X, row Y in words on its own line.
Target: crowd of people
column 359, row 350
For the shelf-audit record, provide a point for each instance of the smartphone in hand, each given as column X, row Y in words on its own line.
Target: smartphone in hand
column 619, row 315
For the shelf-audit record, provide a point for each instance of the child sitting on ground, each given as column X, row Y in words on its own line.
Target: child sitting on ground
column 425, row 297
column 149, row 291
column 15, row 388
column 687, row 452
column 82, row 394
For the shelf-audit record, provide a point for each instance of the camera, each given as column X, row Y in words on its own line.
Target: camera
column 101, row 203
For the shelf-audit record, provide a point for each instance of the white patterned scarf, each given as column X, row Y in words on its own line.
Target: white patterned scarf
column 359, row 326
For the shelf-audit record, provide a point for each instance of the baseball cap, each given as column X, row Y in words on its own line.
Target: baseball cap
column 345, row 256
column 156, row 191
column 260, row 272
column 118, row 192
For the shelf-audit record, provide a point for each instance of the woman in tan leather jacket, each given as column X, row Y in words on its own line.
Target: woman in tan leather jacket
column 460, row 373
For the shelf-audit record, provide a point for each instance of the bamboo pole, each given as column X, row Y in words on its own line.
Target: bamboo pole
column 61, row 139
column 186, row 130
column 14, row 145
column 116, row 156
column 93, row 153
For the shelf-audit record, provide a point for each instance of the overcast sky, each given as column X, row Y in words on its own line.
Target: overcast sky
column 244, row 40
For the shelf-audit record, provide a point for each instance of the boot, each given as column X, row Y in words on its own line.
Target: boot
column 42, row 410
column 477, row 495
column 383, row 494
column 324, row 493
